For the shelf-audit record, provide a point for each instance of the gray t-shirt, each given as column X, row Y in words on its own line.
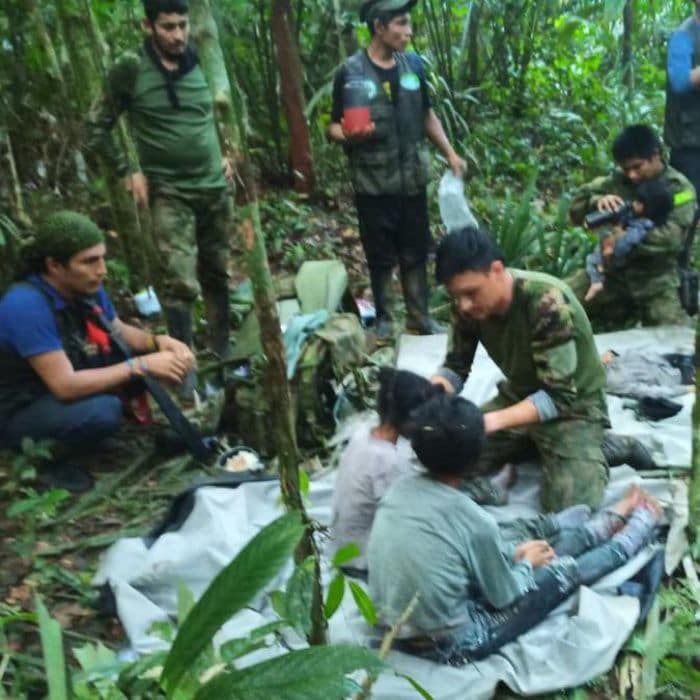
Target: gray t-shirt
column 431, row 539
column 367, row 468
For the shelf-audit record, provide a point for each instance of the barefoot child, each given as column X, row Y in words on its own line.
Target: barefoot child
column 476, row 592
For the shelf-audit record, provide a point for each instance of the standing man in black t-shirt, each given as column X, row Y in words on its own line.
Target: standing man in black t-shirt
column 389, row 160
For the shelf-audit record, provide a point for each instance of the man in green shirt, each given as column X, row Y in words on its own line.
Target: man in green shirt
column 644, row 285
column 552, row 403
column 182, row 173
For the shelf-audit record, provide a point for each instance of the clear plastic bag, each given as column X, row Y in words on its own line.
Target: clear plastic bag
column 454, row 209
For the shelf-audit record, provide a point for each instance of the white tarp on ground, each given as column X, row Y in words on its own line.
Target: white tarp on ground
column 577, row 642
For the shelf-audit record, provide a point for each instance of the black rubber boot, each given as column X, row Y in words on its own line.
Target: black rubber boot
column 179, row 322
column 380, row 279
column 414, row 282
column 216, row 309
column 625, row 449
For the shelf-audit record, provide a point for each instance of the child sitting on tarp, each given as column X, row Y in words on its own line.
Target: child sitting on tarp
column 651, row 206
column 477, row 585
column 371, row 461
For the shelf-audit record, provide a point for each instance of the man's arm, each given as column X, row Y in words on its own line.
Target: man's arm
column 106, row 111
column 461, row 347
column 682, row 77
column 587, row 197
column 142, row 342
column 436, row 134
column 669, row 237
column 68, row 384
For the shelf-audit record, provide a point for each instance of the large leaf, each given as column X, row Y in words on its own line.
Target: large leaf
column 52, row 647
column 298, row 596
column 347, row 553
column 317, row 673
column 233, row 588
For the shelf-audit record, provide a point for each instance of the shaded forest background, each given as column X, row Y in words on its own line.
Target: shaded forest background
column 530, row 93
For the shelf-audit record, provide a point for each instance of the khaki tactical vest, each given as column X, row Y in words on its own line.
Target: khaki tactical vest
column 682, row 126
column 395, row 160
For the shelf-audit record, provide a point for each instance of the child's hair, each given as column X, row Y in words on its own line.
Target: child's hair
column 447, row 435
column 400, row 392
column 657, row 200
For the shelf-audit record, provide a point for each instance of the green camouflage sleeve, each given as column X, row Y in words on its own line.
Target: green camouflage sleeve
column 461, row 347
column 554, row 348
column 585, row 199
column 670, row 237
column 105, row 112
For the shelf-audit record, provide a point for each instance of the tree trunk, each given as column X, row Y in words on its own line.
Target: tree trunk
column 276, row 385
column 19, row 212
column 291, row 86
column 628, row 27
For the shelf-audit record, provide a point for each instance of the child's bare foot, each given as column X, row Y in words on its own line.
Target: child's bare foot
column 633, row 498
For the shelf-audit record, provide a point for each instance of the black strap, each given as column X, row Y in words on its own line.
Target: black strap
column 687, row 251
column 189, row 434
column 187, row 62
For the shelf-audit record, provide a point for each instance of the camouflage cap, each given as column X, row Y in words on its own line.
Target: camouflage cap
column 370, row 9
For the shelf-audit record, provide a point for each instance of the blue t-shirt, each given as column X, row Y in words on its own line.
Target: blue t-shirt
column 27, row 321
column 680, row 61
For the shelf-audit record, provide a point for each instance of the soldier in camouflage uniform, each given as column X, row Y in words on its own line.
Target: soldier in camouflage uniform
column 183, row 175
column 644, row 287
column 552, row 403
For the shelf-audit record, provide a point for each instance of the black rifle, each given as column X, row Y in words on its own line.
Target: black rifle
column 688, row 289
column 198, row 447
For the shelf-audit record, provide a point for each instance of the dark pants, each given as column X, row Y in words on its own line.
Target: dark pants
column 76, row 423
column 395, row 230
column 577, row 564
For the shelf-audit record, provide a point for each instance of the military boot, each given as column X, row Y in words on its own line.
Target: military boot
column 414, row 282
column 625, row 449
column 216, row 310
column 380, row 279
column 179, row 322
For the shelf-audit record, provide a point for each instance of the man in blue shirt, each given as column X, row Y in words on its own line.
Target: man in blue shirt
column 59, row 371
column 682, row 126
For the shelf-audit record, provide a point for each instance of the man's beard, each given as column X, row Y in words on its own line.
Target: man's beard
column 165, row 52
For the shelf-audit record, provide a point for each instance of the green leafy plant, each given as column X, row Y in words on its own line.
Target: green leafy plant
column 192, row 669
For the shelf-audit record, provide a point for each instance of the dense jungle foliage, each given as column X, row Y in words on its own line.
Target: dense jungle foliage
column 530, row 93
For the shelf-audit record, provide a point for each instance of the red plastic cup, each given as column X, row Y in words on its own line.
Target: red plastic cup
column 356, row 119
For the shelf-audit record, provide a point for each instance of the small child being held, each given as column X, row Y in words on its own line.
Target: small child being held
column 651, row 206
column 371, row 460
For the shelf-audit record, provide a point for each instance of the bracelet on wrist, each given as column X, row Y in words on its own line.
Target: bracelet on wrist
column 137, row 366
column 152, row 345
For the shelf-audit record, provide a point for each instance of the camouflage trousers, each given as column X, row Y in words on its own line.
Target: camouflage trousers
column 569, row 453
column 192, row 232
column 653, row 301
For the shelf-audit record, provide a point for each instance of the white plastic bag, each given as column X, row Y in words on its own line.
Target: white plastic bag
column 454, row 210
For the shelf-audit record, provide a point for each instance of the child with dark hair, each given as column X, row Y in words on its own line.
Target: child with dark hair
column 650, row 207
column 479, row 584
column 371, row 460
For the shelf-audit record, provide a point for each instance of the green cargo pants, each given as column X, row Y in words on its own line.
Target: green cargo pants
column 569, row 453
column 192, row 232
column 653, row 301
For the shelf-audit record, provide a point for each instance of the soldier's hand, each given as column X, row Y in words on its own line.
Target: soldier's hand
column 610, row 202
column 167, row 365
column 357, row 136
column 137, row 184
